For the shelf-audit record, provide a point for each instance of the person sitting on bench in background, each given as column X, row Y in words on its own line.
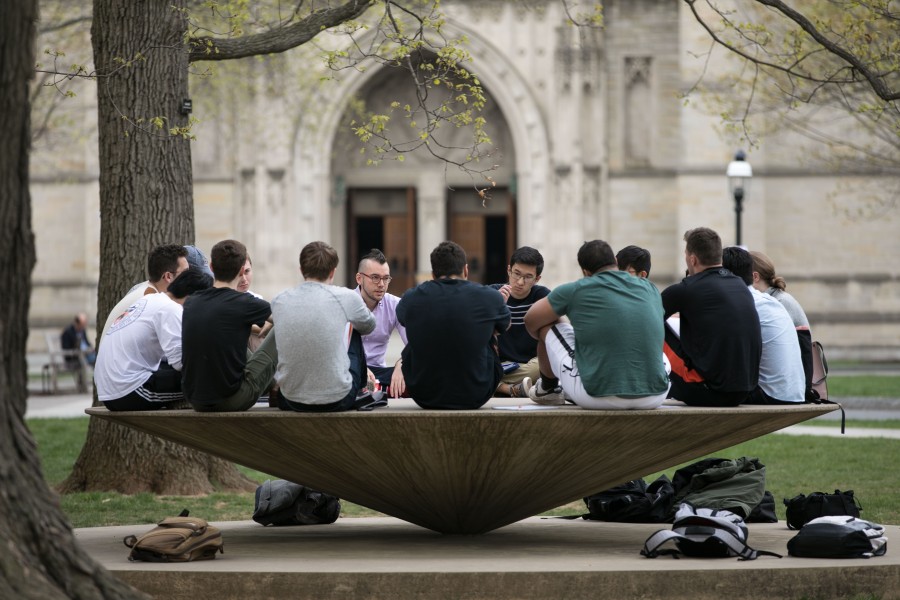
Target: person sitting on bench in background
column 218, row 376
column 139, row 361
column 609, row 356
column 319, row 368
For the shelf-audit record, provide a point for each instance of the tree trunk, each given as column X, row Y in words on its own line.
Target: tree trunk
column 39, row 559
column 146, row 199
column 161, row 467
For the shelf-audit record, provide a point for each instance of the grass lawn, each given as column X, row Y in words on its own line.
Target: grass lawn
column 794, row 465
column 846, row 386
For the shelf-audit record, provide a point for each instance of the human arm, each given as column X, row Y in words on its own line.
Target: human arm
column 540, row 315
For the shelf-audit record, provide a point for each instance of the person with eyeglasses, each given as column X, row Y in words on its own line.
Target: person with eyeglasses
column 372, row 280
column 516, row 346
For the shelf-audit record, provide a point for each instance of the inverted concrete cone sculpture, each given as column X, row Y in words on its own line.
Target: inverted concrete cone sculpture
column 464, row 472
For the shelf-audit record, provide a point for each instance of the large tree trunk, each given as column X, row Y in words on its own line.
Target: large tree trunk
column 146, row 199
column 39, row 559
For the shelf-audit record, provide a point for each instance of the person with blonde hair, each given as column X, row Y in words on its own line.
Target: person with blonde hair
column 768, row 282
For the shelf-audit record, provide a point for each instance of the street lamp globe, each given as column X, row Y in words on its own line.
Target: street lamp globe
column 739, row 173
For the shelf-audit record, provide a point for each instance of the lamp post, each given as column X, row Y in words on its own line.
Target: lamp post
column 739, row 174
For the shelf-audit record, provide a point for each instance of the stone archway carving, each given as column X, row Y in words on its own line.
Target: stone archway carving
column 315, row 192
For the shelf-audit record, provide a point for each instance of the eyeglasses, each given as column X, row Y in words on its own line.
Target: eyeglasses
column 515, row 276
column 376, row 279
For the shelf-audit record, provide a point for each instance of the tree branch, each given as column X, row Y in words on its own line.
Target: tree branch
column 875, row 81
column 277, row 40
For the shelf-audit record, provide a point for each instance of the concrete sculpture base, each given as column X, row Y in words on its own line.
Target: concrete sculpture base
column 465, row 472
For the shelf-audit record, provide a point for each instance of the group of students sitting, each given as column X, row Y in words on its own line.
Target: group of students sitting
column 609, row 340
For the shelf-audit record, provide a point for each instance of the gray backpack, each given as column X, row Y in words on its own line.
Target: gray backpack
column 281, row 502
column 706, row 533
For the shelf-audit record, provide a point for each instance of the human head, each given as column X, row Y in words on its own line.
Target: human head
column 80, row 321
column 228, row 258
column 764, row 271
column 525, row 267
column 635, row 260
column 448, row 259
column 703, row 249
column 197, row 259
column 188, row 282
column 373, row 264
column 318, row 261
column 165, row 263
column 738, row 261
column 595, row 256
column 246, row 276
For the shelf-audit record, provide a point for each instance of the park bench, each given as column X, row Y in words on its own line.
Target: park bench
column 469, row 471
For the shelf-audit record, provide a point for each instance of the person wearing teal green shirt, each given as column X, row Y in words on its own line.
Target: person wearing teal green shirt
column 610, row 353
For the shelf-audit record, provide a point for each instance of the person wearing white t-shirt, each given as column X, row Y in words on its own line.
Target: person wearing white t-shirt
column 781, row 376
column 164, row 264
column 139, row 360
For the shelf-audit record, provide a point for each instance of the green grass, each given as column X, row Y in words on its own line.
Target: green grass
column 794, row 465
column 844, row 386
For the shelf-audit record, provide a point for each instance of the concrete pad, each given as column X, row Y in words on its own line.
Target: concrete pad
column 466, row 471
column 382, row 557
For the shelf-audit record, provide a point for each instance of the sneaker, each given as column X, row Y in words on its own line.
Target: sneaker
column 520, row 390
column 553, row 397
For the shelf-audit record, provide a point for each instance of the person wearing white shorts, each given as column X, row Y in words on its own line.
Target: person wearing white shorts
column 566, row 370
column 609, row 355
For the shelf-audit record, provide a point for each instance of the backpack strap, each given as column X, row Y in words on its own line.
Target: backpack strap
column 562, row 341
column 742, row 550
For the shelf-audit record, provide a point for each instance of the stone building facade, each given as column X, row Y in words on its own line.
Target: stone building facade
column 594, row 141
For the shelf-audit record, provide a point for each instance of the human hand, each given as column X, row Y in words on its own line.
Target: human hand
column 398, row 383
column 505, row 291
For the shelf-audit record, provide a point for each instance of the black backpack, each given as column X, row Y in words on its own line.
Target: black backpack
column 838, row 537
column 706, row 533
column 633, row 502
column 802, row 509
column 283, row 502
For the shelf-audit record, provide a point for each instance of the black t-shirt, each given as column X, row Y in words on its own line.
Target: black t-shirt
column 719, row 328
column 516, row 344
column 215, row 327
column 449, row 361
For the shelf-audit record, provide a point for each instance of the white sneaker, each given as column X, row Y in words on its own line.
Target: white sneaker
column 552, row 397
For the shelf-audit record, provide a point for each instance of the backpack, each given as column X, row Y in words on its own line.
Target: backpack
column 177, row 539
column 737, row 485
column 838, row 537
column 706, row 533
column 633, row 502
column 283, row 502
column 819, row 372
column 802, row 509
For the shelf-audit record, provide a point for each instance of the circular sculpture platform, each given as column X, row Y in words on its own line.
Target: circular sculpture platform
column 465, row 472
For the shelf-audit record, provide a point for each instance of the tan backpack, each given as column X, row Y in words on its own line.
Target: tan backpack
column 177, row 539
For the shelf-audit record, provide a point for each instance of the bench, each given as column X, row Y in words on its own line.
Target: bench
column 470, row 471
column 63, row 362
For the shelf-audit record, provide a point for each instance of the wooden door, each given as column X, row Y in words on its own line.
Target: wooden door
column 468, row 231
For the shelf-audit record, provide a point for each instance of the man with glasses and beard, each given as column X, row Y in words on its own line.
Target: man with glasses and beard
column 516, row 345
column 373, row 278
